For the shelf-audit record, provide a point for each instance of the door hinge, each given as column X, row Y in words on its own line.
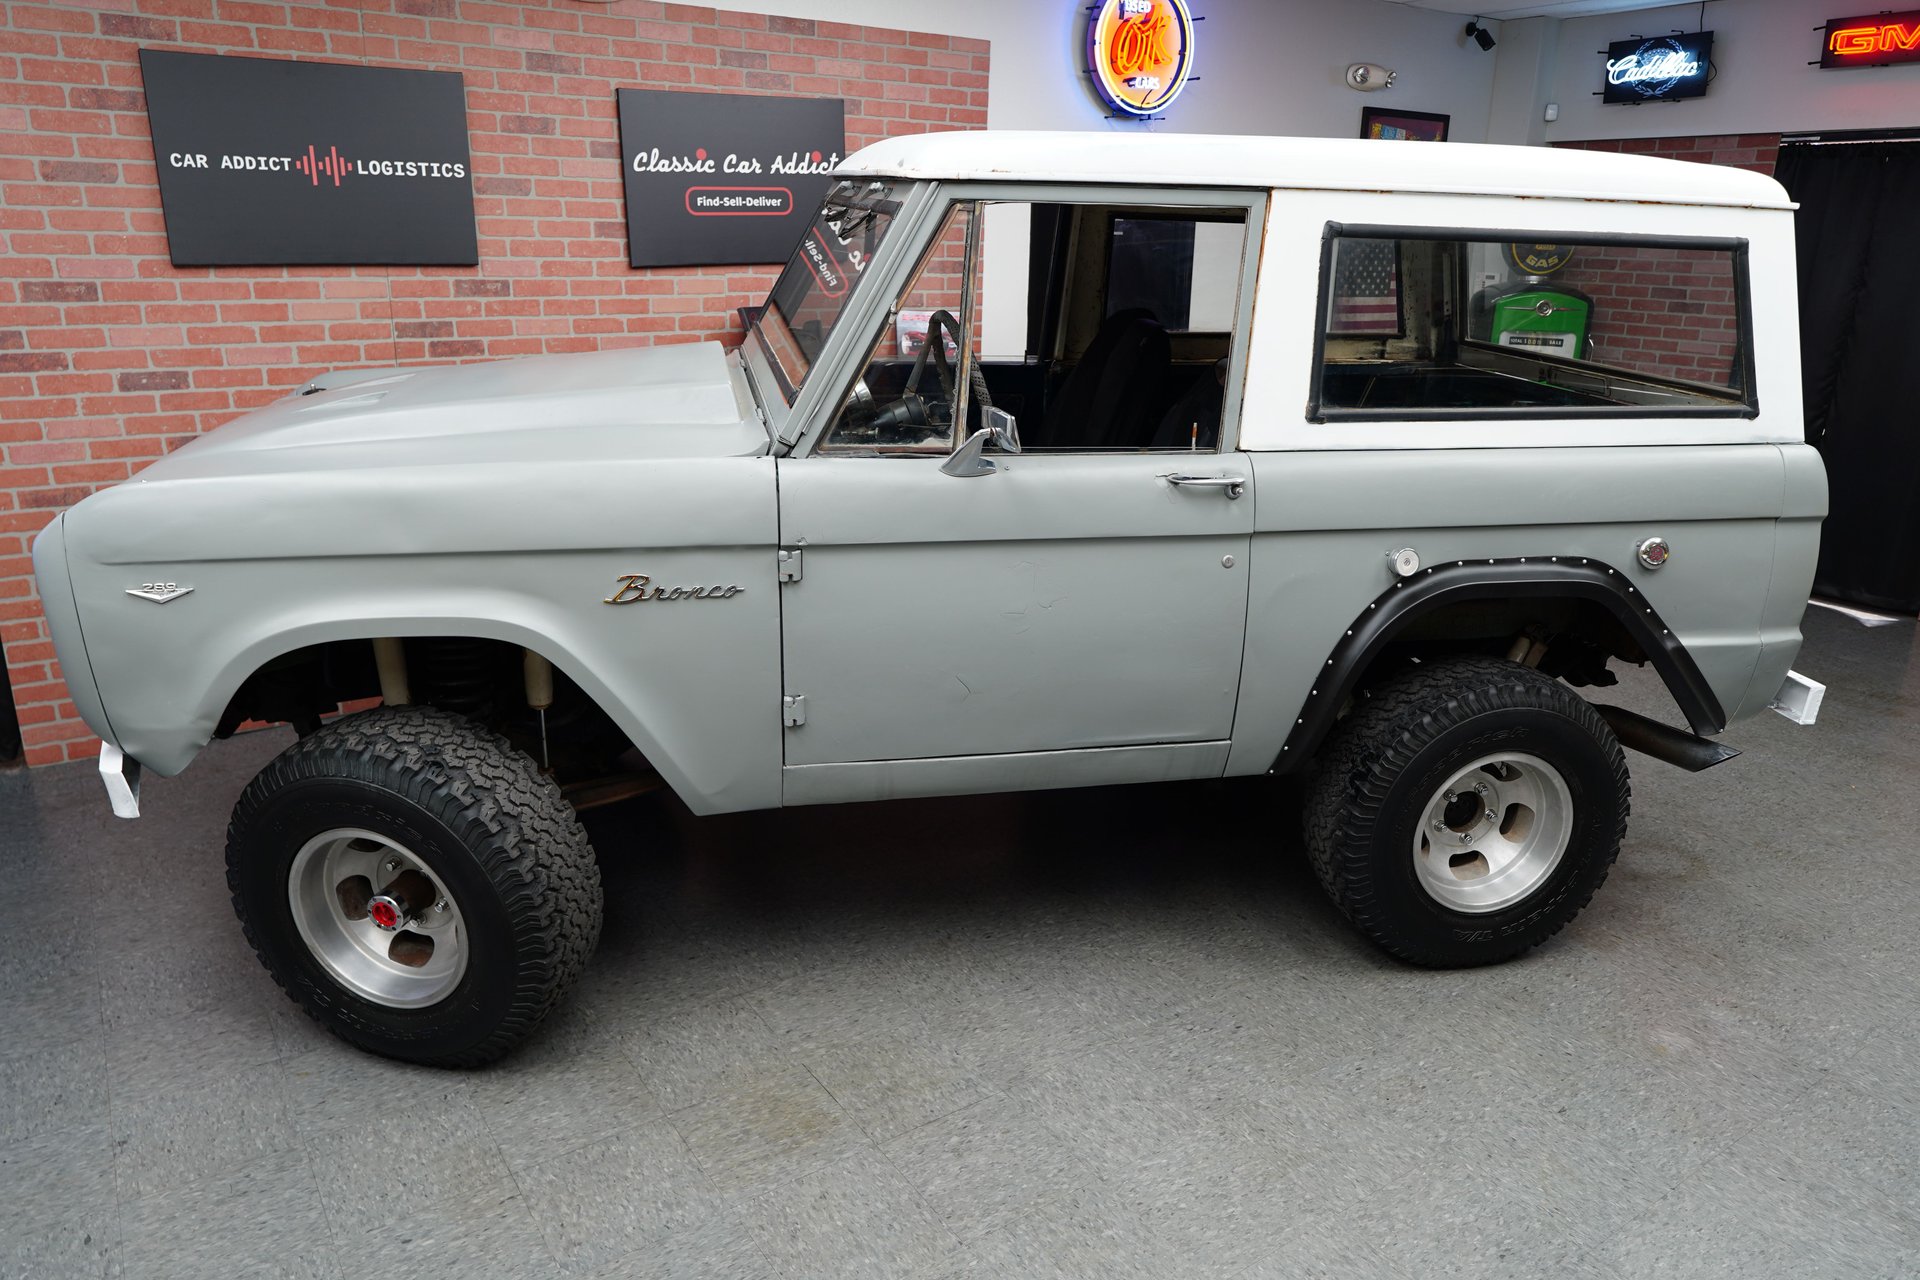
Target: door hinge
column 791, row 567
column 793, row 711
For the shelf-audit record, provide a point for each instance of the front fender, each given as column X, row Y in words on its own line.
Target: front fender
column 63, row 623
column 694, row 682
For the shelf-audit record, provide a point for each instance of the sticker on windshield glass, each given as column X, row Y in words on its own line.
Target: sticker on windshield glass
column 817, row 252
column 1140, row 52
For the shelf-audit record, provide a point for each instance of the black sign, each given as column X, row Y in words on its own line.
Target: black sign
column 1872, row 41
column 1658, row 68
column 715, row 179
column 265, row 162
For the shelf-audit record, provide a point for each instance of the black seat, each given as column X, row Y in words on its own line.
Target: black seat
column 1110, row 397
column 1200, row 407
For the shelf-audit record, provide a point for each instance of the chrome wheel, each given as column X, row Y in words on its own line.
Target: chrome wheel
column 1493, row 833
column 377, row 918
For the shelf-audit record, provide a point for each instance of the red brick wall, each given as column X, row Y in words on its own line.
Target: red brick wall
column 109, row 355
column 1660, row 312
column 1666, row 312
column 1756, row 151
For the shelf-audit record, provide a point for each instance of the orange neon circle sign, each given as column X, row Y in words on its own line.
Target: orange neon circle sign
column 1140, row 52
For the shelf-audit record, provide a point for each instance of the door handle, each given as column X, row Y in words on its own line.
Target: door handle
column 1233, row 485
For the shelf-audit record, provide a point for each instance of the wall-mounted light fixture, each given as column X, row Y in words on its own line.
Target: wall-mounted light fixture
column 1481, row 36
column 1367, row 77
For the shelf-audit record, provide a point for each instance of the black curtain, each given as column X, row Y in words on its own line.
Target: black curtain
column 1859, row 269
column 9, row 723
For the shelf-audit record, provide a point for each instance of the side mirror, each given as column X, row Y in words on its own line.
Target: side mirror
column 1005, row 428
column 966, row 461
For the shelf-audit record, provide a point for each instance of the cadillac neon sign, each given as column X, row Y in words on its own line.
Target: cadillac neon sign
column 1658, row 70
column 1873, row 40
column 1140, row 52
column 1665, row 64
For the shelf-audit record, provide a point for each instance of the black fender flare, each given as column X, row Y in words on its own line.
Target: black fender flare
column 1458, row 581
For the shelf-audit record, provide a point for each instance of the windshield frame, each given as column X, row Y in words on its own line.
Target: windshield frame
column 870, row 196
column 816, row 400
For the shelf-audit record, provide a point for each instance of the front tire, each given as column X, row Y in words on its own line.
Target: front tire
column 1466, row 811
column 415, row 884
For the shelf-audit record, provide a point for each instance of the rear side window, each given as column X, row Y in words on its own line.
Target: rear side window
column 1417, row 323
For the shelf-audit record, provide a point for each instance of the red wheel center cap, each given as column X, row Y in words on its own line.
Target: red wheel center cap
column 385, row 912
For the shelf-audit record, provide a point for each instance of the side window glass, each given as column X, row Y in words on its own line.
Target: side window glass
column 1182, row 269
column 1438, row 325
column 1125, row 319
column 912, row 385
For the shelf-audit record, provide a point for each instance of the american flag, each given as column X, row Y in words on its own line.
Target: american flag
column 1366, row 287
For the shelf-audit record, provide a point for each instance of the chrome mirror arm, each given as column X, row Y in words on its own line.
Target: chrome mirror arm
column 967, row 461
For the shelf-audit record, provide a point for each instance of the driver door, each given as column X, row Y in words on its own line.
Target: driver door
column 1065, row 618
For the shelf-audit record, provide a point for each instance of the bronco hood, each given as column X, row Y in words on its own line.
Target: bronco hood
column 657, row 402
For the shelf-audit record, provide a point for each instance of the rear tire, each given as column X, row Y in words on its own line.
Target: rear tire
column 1466, row 811
column 498, row 899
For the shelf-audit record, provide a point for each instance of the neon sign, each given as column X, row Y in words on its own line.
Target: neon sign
column 1662, row 69
column 1872, row 41
column 1140, row 52
column 1667, row 64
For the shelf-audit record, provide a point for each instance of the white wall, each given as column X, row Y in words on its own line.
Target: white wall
column 1764, row 85
column 1263, row 66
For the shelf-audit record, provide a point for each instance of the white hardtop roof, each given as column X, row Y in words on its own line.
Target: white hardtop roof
column 1333, row 164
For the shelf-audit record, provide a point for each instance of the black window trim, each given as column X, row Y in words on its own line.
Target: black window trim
column 1736, row 246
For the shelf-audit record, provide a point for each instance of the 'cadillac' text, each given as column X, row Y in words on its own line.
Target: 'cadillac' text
column 1634, row 68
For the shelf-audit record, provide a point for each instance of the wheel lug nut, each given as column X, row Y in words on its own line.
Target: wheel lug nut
column 406, row 897
column 440, row 907
column 390, row 865
column 1439, row 824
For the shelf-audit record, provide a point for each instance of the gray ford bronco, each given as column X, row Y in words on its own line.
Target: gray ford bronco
column 1050, row 461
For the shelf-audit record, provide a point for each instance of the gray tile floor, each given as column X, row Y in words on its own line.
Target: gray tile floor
column 1091, row 1034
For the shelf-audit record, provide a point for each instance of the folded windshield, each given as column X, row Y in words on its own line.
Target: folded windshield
column 812, row 292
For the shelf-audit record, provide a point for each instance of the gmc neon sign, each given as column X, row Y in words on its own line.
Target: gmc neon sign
column 1872, row 40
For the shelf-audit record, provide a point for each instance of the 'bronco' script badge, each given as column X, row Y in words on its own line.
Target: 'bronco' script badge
column 635, row 587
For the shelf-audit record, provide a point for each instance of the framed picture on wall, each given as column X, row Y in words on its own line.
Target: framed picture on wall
column 1412, row 126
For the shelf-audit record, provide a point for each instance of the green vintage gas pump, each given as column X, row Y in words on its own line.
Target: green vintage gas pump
column 1534, row 317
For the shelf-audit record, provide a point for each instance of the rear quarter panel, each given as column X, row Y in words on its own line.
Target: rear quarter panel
column 1739, row 498
column 1326, row 522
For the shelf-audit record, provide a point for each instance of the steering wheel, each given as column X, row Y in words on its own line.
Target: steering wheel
column 939, row 324
column 933, row 409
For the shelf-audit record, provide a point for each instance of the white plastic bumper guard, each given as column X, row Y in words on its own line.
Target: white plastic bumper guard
column 122, row 776
column 1799, row 698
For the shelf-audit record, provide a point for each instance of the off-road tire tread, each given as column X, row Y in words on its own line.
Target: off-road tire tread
column 1360, row 760
column 525, row 836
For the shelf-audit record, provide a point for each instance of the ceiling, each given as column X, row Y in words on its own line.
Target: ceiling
column 1533, row 8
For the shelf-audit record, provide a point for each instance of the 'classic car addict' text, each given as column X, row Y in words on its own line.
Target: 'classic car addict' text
column 652, row 161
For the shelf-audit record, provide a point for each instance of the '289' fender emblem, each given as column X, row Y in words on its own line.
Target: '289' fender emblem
column 159, row 592
column 637, row 587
